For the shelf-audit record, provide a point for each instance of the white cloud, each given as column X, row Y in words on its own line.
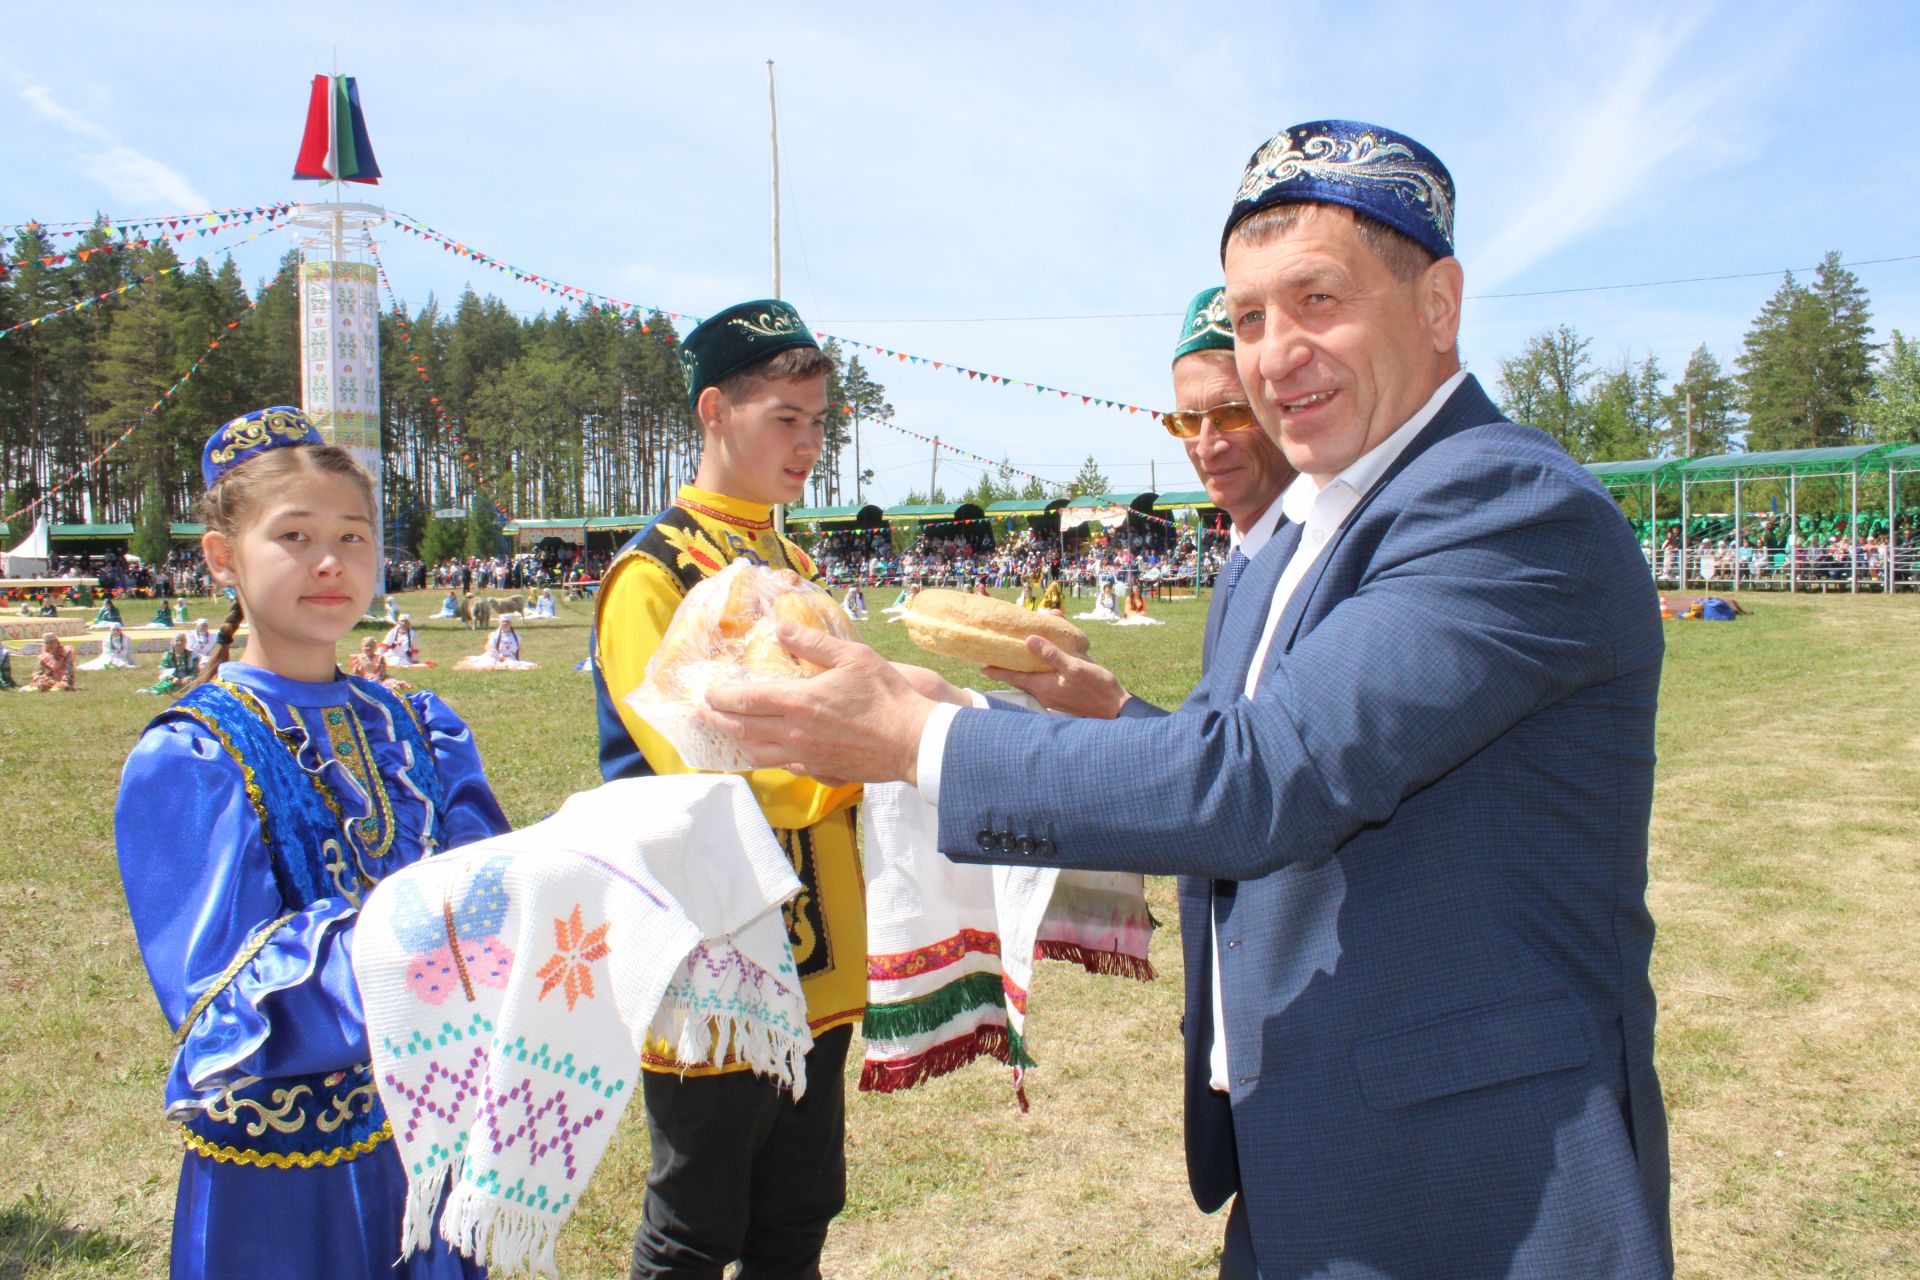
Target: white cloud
column 1636, row 118
column 128, row 175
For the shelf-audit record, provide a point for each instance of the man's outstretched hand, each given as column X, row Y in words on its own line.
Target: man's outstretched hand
column 1074, row 686
column 859, row 720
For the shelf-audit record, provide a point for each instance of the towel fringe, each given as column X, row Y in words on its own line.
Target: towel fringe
column 510, row 1238
column 1112, row 963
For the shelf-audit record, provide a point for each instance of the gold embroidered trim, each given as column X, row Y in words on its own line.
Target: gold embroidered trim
column 702, row 509
column 252, row 703
column 354, row 751
column 285, row 1160
column 225, row 980
column 255, row 796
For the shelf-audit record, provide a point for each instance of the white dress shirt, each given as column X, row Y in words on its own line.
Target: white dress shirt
column 1319, row 510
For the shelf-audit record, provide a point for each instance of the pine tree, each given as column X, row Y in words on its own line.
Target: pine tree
column 1091, row 480
column 1806, row 366
column 1706, row 397
column 153, row 535
column 483, row 527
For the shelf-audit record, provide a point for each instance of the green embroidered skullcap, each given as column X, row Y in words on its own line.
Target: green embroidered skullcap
column 1207, row 327
column 743, row 334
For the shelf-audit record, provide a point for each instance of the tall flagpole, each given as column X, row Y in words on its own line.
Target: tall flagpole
column 773, row 143
column 773, row 129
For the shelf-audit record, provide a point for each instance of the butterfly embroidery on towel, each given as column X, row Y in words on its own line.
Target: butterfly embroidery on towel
column 455, row 944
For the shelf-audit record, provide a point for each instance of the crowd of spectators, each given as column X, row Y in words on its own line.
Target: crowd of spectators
column 1818, row 554
column 1156, row 560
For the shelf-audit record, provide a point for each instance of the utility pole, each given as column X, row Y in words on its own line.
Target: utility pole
column 859, row 495
column 1153, row 477
column 1689, row 422
column 933, row 477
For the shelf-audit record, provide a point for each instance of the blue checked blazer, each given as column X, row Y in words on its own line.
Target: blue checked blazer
column 1426, row 840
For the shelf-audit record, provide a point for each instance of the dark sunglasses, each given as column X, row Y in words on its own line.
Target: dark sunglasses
column 1225, row 417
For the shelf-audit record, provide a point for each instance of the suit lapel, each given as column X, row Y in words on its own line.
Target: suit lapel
column 1216, row 613
column 1241, row 628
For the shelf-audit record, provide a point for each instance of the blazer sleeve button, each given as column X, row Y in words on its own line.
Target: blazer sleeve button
column 1045, row 849
column 1026, row 845
column 985, row 840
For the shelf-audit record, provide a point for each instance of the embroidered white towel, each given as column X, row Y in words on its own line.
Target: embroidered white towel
column 509, row 988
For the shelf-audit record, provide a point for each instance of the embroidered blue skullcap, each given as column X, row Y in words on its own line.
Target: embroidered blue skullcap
column 252, row 434
column 1385, row 175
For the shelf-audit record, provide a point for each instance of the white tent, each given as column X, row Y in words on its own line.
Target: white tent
column 29, row 559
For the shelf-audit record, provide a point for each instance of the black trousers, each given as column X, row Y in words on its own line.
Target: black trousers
column 742, row 1171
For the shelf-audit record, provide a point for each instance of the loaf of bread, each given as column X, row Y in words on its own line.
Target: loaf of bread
column 986, row 630
column 724, row 630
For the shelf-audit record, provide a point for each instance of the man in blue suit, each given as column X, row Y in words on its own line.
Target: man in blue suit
column 1419, row 780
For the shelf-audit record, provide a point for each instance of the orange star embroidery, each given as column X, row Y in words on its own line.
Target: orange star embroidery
column 567, row 967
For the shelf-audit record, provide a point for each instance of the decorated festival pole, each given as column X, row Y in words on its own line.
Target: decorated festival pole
column 339, row 287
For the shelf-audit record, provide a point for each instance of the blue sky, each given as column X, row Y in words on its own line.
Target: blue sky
column 946, row 168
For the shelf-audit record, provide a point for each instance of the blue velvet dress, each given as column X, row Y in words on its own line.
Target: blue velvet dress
column 254, row 816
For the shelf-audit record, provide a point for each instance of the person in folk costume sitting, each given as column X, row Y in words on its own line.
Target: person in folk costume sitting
column 200, row 641
column 740, row 1170
column 47, row 607
column 54, row 671
column 299, row 789
column 116, row 652
column 1135, row 612
column 178, row 667
column 6, row 667
column 402, row 646
column 450, row 607
column 1026, row 599
column 544, row 607
column 855, row 602
column 369, row 663
column 1104, row 609
column 1053, row 601
column 109, row 615
column 904, row 601
column 502, row 653
column 163, row 616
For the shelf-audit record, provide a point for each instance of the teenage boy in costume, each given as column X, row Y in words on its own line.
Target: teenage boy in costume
column 740, row 1170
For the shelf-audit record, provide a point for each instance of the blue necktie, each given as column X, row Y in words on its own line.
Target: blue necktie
column 1230, row 577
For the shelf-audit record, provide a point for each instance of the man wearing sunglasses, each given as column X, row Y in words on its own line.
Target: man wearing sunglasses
column 1243, row 472
column 1419, row 779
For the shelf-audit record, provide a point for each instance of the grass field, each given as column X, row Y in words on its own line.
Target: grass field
column 1786, row 881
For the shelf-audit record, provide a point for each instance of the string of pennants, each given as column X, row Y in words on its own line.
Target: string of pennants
column 151, row 409
column 419, row 365
column 634, row 310
column 214, row 226
column 80, row 226
column 131, row 285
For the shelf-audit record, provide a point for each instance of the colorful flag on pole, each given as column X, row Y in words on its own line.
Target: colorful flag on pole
column 335, row 146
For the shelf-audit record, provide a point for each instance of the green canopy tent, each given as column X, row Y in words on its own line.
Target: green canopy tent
column 1792, row 465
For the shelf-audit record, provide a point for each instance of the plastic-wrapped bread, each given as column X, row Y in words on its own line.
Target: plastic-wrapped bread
column 986, row 630
column 724, row 631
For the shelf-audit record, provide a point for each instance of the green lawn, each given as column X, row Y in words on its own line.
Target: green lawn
column 1785, row 879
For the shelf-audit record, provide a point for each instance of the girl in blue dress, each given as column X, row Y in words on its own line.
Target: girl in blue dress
column 291, row 790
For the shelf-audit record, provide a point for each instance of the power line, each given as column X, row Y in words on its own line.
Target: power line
column 1472, row 297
